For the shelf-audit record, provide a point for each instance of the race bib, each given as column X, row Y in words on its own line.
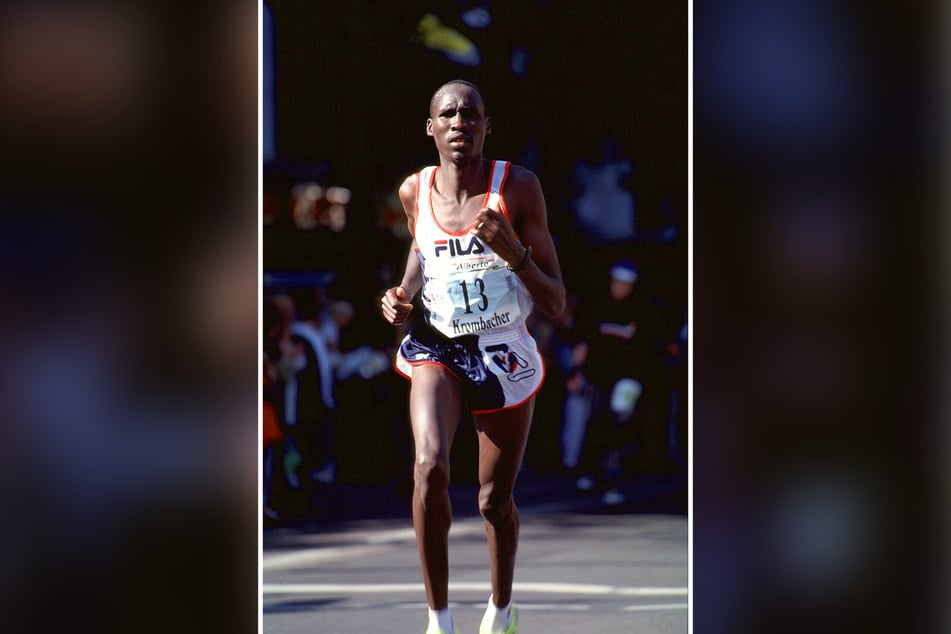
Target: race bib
column 475, row 297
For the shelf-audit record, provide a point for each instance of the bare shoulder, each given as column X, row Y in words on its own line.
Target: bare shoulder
column 408, row 191
column 523, row 195
column 521, row 178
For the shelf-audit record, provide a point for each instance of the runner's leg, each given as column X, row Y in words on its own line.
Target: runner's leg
column 435, row 401
column 502, row 439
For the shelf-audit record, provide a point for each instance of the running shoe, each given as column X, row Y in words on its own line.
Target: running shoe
column 511, row 629
column 454, row 631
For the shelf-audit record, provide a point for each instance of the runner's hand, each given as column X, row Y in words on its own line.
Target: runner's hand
column 493, row 228
column 396, row 305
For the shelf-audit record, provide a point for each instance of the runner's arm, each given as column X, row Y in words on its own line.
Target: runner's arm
column 397, row 302
column 541, row 274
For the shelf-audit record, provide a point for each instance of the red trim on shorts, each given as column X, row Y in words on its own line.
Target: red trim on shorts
column 423, row 362
column 453, row 375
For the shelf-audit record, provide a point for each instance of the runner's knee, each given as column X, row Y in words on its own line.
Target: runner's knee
column 430, row 476
column 495, row 503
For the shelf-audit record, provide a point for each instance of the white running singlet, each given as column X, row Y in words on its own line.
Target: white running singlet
column 467, row 289
column 475, row 310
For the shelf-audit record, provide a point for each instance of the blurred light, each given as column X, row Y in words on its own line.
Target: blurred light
column 477, row 17
column 339, row 195
column 307, row 200
column 336, row 218
column 520, row 61
column 456, row 47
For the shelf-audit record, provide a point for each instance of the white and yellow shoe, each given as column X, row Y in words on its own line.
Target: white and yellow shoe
column 511, row 629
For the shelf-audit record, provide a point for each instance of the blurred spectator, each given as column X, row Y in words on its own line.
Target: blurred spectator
column 302, row 389
column 272, row 426
column 580, row 398
column 619, row 354
column 309, row 400
column 567, row 357
column 363, row 361
column 605, row 210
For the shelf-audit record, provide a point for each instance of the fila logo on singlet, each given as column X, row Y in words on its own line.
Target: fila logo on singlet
column 454, row 245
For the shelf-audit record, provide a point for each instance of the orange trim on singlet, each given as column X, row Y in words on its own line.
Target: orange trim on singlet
column 412, row 230
column 502, row 205
column 488, row 191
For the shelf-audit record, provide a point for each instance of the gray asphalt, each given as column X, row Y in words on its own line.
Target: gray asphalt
column 578, row 571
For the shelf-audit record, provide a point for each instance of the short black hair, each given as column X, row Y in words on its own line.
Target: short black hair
column 432, row 100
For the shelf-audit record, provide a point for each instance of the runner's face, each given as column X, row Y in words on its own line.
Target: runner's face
column 458, row 123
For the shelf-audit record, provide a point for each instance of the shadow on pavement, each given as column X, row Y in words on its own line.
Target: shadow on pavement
column 317, row 505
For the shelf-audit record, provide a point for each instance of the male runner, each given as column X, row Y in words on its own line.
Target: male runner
column 482, row 258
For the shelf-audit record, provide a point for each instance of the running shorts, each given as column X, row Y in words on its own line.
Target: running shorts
column 498, row 371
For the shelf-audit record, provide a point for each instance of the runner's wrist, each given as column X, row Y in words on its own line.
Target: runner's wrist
column 523, row 261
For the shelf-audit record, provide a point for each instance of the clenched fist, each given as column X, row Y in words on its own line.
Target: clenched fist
column 396, row 305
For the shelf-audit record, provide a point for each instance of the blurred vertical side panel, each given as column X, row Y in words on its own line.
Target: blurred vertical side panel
column 129, row 287
column 820, row 301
